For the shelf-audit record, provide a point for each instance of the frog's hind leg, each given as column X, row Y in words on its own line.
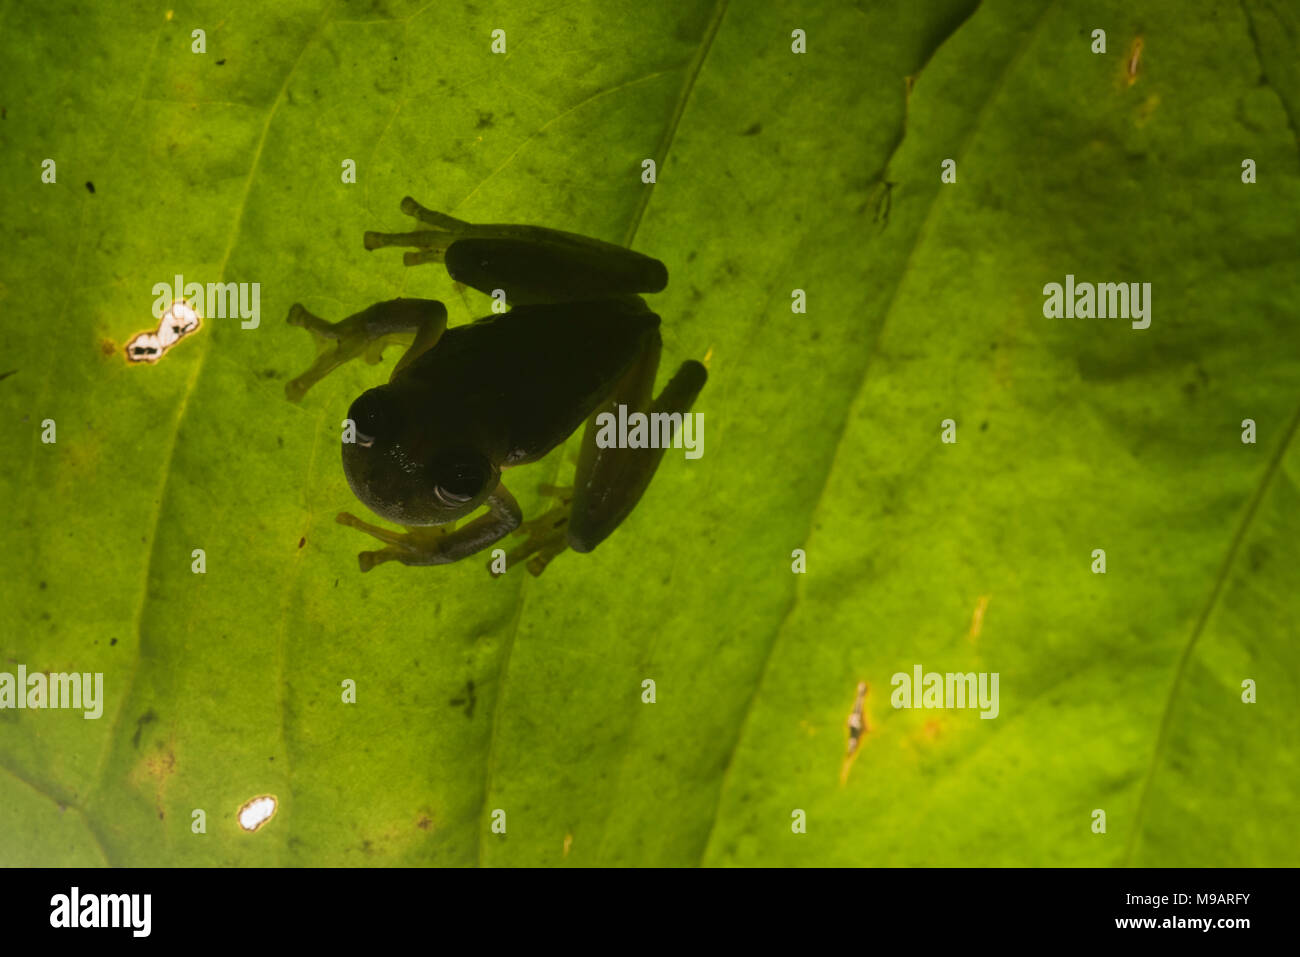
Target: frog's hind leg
column 431, row 244
column 417, row 322
column 610, row 481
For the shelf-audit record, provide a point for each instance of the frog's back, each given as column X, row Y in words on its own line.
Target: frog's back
column 534, row 373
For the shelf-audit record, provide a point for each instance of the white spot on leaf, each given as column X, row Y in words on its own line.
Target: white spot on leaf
column 177, row 322
column 257, row 811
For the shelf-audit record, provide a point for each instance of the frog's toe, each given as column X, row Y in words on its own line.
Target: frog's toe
column 411, row 208
column 547, row 524
column 547, row 536
column 425, row 239
column 390, row 553
column 422, row 256
column 424, row 545
column 383, row 534
column 537, row 564
column 325, row 334
column 537, row 551
column 331, row 350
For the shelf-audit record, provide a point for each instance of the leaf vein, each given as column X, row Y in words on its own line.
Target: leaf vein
column 183, row 405
column 1198, row 629
column 796, row 597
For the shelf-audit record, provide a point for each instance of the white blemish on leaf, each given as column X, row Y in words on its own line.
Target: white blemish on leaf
column 179, row 321
column 257, row 811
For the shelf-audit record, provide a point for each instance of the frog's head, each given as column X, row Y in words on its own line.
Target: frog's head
column 407, row 474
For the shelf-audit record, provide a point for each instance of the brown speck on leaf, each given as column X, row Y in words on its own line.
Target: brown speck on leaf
column 858, row 726
column 977, row 617
column 302, row 542
column 1134, row 60
column 147, row 718
column 423, row 823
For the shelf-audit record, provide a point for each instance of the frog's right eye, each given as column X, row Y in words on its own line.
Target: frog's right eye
column 460, row 476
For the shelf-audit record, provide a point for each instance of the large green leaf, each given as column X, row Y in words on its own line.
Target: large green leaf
column 777, row 171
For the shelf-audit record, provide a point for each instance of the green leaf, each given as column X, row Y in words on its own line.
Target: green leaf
column 776, row 171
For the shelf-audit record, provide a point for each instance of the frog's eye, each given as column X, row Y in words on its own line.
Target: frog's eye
column 372, row 415
column 459, row 477
column 449, row 498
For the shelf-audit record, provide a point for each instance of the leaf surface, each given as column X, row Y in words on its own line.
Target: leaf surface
column 776, row 172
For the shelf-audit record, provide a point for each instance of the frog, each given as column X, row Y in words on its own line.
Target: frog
column 464, row 404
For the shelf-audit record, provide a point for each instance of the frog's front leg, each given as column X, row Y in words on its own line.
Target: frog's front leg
column 434, row 544
column 419, row 321
column 610, row 481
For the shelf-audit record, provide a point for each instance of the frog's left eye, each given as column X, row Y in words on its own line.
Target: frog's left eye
column 372, row 415
column 460, row 476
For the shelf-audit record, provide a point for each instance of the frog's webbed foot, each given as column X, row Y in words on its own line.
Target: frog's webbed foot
column 415, row 546
column 431, row 244
column 419, row 322
column 547, row 534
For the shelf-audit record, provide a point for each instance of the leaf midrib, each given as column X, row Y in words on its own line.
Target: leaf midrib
column 688, row 86
column 237, row 222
